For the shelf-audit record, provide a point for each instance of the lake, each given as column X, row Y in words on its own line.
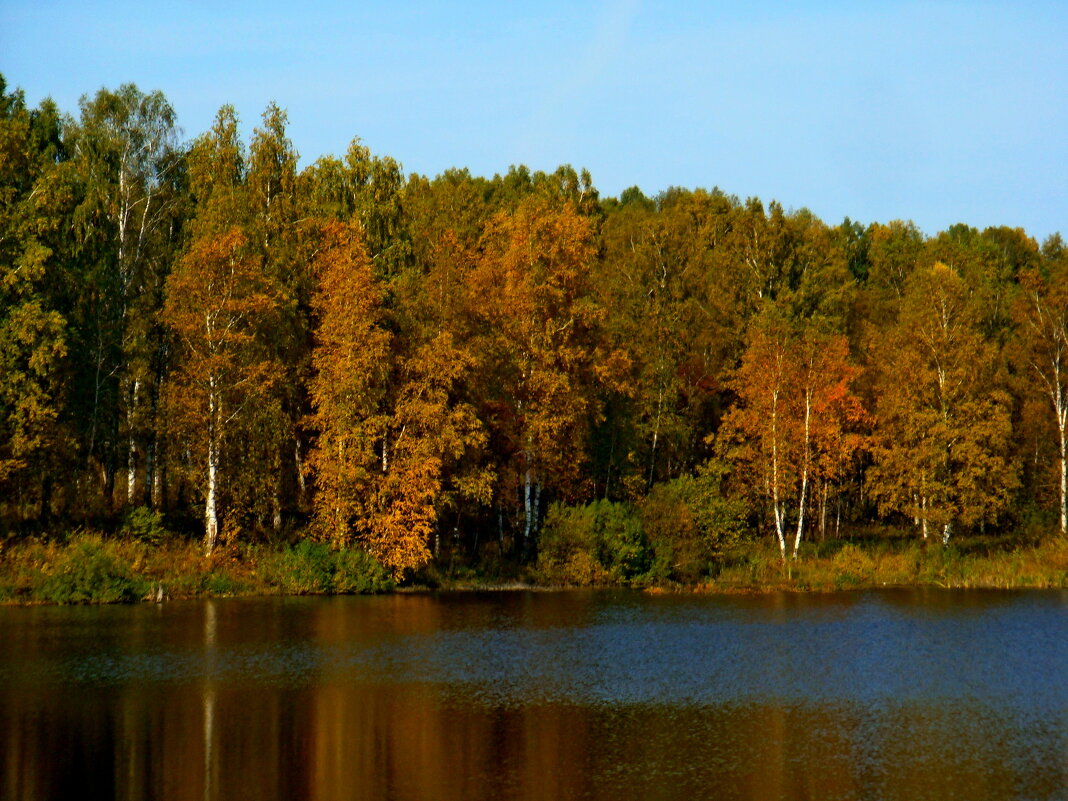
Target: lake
column 896, row 694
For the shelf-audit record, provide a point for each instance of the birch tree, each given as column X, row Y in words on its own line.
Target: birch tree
column 534, row 316
column 756, row 432
column 222, row 308
column 1042, row 320
column 275, row 206
column 942, row 423
column 126, row 155
column 794, row 425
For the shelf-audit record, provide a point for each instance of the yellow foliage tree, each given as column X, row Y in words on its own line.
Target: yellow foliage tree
column 942, row 423
column 348, row 360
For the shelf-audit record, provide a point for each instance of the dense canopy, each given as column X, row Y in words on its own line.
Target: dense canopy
column 411, row 363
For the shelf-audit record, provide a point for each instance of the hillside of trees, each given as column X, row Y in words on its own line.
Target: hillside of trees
column 351, row 355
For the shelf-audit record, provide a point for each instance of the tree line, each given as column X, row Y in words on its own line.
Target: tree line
column 407, row 363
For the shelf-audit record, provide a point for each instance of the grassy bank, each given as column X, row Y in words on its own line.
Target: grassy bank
column 88, row 567
column 838, row 565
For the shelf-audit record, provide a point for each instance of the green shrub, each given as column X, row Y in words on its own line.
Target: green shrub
column 622, row 547
column 567, row 548
column 356, row 571
column 145, row 525
column 310, row 567
column 599, row 543
column 90, row 570
column 690, row 526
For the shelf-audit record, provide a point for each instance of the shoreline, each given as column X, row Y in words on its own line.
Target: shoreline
column 92, row 569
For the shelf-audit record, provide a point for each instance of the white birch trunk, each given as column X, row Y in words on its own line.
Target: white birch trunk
column 1062, row 425
column 276, row 497
column 656, row 437
column 777, row 508
column 801, row 511
column 1064, row 485
column 804, row 477
column 299, row 462
column 211, row 513
column 131, row 454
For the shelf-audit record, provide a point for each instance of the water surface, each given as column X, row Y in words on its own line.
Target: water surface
column 916, row 694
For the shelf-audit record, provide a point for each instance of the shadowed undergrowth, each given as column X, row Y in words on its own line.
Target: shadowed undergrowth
column 87, row 567
column 596, row 546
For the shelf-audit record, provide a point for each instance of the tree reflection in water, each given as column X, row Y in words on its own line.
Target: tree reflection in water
column 570, row 695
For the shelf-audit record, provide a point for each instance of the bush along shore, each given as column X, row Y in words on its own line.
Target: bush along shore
column 682, row 538
column 88, row 567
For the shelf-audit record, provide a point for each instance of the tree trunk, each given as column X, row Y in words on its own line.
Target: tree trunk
column 211, row 516
column 801, row 511
column 276, row 494
column 150, row 473
column 211, row 512
column 823, row 513
column 775, row 481
column 109, row 481
column 159, row 486
column 537, row 507
column 131, row 454
column 1064, row 486
column 1062, row 424
column 804, row 477
column 656, row 436
column 528, row 511
column 302, row 487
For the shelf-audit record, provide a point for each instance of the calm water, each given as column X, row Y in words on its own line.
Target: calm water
column 600, row 695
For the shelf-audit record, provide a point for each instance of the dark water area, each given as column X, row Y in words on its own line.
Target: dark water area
column 901, row 694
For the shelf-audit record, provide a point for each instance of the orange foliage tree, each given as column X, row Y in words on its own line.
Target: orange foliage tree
column 220, row 307
column 534, row 320
column 428, row 433
column 796, row 420
column 390, row 429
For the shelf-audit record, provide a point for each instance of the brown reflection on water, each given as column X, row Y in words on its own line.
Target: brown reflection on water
column 359, row 742
column 341, row 733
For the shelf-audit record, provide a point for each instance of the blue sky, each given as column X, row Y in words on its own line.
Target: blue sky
column 935, row 112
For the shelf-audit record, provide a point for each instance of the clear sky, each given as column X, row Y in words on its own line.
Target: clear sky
column 931, row 111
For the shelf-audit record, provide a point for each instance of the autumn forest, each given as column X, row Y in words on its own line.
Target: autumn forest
column 605, row 387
